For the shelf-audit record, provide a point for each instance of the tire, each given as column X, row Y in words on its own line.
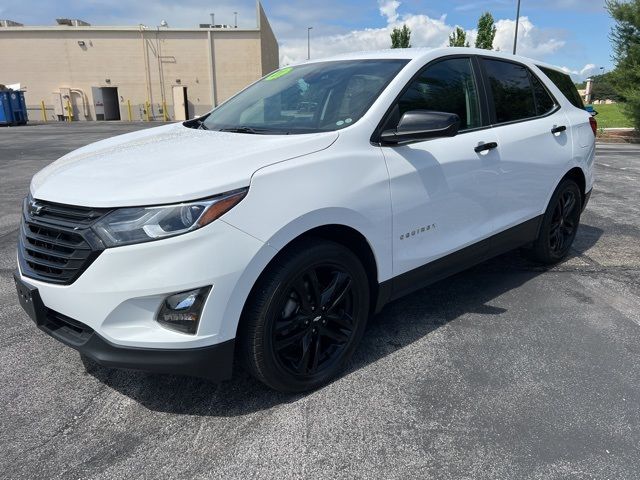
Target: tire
column 305, row 316
column 559, row 224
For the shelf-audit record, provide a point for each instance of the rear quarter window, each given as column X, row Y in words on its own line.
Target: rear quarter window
column 565, row 85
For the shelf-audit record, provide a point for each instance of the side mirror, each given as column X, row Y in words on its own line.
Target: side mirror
column 418, row 125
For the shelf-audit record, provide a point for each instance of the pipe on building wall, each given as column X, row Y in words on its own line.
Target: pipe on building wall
column 212, row 68
column 85, row 100
column 147, row 75
column 163, row 97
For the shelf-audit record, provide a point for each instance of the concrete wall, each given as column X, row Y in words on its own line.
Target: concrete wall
column 46, row 59
column 269, row 45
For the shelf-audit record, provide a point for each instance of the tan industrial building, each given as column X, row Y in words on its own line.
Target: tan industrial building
column 132, row 73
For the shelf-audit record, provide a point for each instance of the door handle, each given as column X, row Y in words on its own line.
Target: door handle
column 485, row 146
column 559, row 129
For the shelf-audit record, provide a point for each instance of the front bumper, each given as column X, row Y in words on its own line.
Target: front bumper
column 120, row 294
column 211, row 362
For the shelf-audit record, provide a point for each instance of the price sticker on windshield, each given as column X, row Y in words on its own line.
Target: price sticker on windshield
column 279, row 73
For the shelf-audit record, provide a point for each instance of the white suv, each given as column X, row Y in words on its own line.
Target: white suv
column 274, row 226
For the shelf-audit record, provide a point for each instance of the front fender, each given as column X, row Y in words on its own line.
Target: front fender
column 283, row 237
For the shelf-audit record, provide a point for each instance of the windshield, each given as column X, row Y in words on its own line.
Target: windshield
column 316, row 97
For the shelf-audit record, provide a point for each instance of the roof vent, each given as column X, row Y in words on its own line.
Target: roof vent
column 10, row 23
column 72, row 22
column 209, row 25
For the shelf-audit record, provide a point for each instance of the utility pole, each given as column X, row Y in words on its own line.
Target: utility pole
column 213, row 19
column 235, row 14
column 515, row 37
column 309, row 42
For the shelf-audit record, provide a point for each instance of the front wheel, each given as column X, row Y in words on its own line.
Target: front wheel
column 559, row 224
column 305, row 316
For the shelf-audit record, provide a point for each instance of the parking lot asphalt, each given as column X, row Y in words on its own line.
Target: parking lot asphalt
column 507, row 370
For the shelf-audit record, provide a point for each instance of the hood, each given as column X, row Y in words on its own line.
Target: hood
column 167, row 164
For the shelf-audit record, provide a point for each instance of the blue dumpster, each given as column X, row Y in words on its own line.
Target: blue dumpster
column 6, row 114
column 13, row 110
column 19, row 107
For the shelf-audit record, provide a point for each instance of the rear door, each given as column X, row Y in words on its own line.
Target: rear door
column 533, row 137
column 581, row 129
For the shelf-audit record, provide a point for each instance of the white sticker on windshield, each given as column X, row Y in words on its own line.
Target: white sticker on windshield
column 339, row 123
column 348, row 120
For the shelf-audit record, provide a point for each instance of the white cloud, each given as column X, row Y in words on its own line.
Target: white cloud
column 425, row 32
column 585, row 72
column 389, row 9
column 532, row 41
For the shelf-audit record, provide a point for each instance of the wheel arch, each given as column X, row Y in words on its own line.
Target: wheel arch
column 346, row 235
column 577, row 175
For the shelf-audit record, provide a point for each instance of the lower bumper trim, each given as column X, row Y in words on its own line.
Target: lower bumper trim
column 587, row 197
column 214, row 362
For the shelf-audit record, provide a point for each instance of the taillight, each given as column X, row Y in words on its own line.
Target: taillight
column 594, row 124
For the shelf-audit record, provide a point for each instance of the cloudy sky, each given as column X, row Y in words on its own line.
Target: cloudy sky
column 569, row 33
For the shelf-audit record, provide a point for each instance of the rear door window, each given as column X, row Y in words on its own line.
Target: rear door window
column 513, row 93
column 565, row 85
column 544, row 101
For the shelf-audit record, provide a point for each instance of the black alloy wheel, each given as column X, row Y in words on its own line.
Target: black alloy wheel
column 564, row 222
column 316, row 320
column 305, row 316
column 559, row 224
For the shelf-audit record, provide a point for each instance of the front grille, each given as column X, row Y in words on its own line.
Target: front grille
column 56, row 241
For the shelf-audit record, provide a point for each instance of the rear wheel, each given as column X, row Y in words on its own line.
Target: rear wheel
column 559, row 224
column 305, row 316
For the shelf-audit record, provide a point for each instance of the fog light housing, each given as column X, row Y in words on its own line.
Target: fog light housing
column 181, row 311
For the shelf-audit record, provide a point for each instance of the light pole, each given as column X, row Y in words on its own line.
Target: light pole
column 235, row 14
column 309, row 42
column 515, row 37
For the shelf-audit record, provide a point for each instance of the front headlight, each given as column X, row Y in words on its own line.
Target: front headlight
column 144, row 224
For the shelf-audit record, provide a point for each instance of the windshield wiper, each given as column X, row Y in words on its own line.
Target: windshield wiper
column 253, row 131
column 242, row 130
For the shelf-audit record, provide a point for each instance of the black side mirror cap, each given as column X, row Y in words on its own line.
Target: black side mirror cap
column 418, row 125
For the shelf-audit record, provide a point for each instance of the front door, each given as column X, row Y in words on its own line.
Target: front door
column 441, row 189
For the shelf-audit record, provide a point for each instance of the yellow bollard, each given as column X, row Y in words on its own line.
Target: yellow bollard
column 69, row 111
column 146, row 104
column 129, row 109
column 44, row 112
column 164, row 111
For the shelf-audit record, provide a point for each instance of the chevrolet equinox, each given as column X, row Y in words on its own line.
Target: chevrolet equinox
column 271, row 228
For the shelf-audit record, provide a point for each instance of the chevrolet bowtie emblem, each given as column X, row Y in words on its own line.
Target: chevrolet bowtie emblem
column 35, row 208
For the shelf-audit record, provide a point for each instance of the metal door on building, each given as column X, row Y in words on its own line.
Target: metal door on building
column 180, row 103
column 105, row 102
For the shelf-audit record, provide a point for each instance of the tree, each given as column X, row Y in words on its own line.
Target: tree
column 486, row 32
column 401, row 37
column 458, row 38
column 625, row 37
column 604, row 89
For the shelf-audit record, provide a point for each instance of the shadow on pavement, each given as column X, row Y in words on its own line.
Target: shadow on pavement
column 398, row 325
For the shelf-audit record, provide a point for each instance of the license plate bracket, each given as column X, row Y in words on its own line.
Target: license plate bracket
column 30, row 300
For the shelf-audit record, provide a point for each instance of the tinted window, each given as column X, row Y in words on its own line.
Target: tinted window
column 315, row 97
column 513, row 94
column 565, row 85
column 544, row 102
column 447, row 86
